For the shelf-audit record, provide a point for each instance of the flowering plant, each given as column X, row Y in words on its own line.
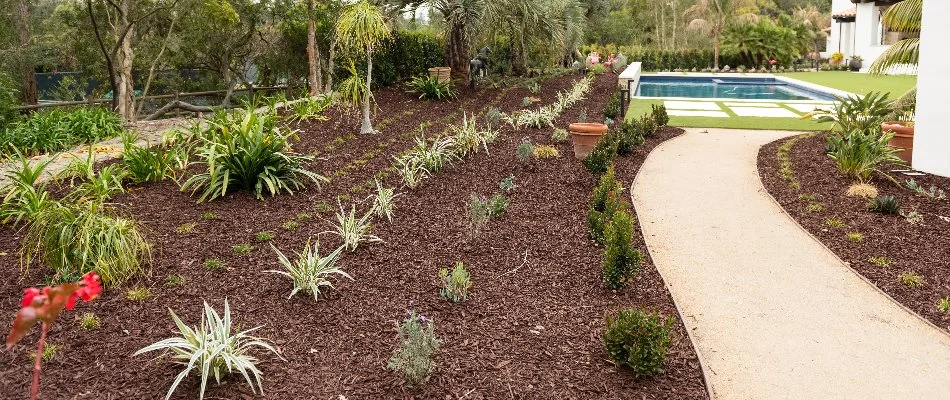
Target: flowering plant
column 44, row 306
column 773, row 62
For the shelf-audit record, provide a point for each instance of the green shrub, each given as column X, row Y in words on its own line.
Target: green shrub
column 525, row 151
column 659, row 115
column 885, row 204
column 307, row 108
column 507, row 184
column 862, row 114
column 9, row 98
column 57, row 130
column 493, row 118
column 648, row 125
column 417, row 344
column 604, row 202
column 629, row 136
column 249, row 153
column 559, row 135
column 859, row 155
column 24, row 195
column 75, row 239
column 430, row 88
column 455, row 284
column 638, row 340
column 621, row 260
column 151, row 164
column 612, row 108
column 212, row 350
column 603, row 154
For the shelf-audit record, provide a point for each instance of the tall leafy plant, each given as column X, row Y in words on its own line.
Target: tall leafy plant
column 363, row 26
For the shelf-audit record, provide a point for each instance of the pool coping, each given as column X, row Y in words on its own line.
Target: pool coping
column 793, row 81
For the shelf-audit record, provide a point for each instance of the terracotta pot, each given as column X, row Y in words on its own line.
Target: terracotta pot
column 444, row 74
column 585, row 136
column 903, row 138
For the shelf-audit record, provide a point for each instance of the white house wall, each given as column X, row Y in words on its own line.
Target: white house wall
column 932, row 134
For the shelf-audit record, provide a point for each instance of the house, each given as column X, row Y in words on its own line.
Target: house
column 856, row 30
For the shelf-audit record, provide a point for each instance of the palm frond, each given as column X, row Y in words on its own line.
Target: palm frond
column 904, row 16
column 904, row 52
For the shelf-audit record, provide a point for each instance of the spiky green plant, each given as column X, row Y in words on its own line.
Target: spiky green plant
column 383, row 202
column 213, row 349
column 24, row 194
column 353, row 230
column 310, row 272
column 430, row 88
column 250, row 153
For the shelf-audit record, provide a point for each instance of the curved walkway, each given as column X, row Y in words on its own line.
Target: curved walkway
column 774, row 314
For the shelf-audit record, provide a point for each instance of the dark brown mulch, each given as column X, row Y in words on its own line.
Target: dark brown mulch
column 923, row 249
column 531, row 328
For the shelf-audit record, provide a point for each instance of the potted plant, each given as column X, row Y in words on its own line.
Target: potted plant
column 855, row 63
column 585, row 136
column 903, row 138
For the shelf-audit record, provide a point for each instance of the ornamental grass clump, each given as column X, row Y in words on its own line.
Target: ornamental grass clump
column 249, row 153
column 213, row 349
column 75, row 239
column 621, row 260
column 151, row 164
column 860, row 154
column 310, row 272
column 468, row 137
column 24, row 194
column 638, row 340
column 455, row 283
column 417, row 344
column 353, row 230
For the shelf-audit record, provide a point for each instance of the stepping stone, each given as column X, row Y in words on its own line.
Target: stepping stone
column 751, row 104
column 697, row 113
column 764, row 112
column 807, row 108
column 692, row 105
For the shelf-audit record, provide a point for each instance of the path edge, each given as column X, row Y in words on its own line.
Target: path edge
column 689, row 333
column 944, row 331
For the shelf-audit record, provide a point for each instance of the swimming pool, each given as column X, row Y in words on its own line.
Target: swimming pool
column 725, row 87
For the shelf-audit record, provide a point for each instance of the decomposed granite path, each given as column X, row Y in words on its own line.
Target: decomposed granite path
column 774, row 314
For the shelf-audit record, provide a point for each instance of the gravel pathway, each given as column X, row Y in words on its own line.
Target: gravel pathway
column 774, row 314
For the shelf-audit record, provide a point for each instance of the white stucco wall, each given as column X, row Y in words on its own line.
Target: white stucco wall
column 834, row 40
column 932, row 134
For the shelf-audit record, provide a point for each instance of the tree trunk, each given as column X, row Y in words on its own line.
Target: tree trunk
column 367, row 125
column 458, row 50
column 125, row 105
column 330, row 66
column 313, row 57
column 716, row 51
column 110, row 68
column 28, row 90
column 151, row 69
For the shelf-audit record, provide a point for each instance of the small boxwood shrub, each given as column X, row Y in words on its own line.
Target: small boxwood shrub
column 602, row 155
column 612, row 108
column 648, row 125
column 638, row 340
column 621, row 260
column 629, row 137
column 659, row 115
column 604, row 201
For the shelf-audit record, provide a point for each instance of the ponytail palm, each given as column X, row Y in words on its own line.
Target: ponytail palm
column 363, row 26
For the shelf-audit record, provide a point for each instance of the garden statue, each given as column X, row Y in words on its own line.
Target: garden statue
column 478, row 67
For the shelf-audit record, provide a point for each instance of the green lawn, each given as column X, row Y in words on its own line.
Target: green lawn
column 638, row 107
column 858, row 83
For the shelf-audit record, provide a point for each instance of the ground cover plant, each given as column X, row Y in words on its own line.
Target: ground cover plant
column 57, row 130
column 521, row 283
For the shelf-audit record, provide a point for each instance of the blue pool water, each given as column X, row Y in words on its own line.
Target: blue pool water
column 763, row 88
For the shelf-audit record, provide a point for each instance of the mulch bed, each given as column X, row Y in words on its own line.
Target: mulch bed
column 531, row 328
column 923, row 248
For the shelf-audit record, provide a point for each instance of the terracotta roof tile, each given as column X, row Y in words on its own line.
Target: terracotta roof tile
column 849, row 13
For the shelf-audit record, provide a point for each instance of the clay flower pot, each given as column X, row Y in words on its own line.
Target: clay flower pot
column 903, row 138
column 585, row 136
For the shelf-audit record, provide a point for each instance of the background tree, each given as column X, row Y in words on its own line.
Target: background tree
column 714, row 16
column 362, row 26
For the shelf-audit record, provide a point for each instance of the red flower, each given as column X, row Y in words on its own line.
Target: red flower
column 90, row 287
column 28, row 295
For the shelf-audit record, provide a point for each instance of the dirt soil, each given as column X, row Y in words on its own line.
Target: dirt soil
column 923, row 249
column 531, row 328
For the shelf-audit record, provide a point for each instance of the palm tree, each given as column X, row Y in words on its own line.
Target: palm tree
column 363, row 27
column 902, row 17
column 463, row 18
column 714, row 16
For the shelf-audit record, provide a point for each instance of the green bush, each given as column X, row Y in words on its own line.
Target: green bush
column 629, row 136
column 621, row 260
column 248, row 152
column 638, row 340
column 859, row 155
column 78, row 238
column 402, row 56
column 604, row 202
column 660, row 117
column 417, row 345
column 603, row 154
column 612, row 108
column 151, row 164
column 9, row 98
column 57, row 130
column 648, row 125
column 429, row 88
